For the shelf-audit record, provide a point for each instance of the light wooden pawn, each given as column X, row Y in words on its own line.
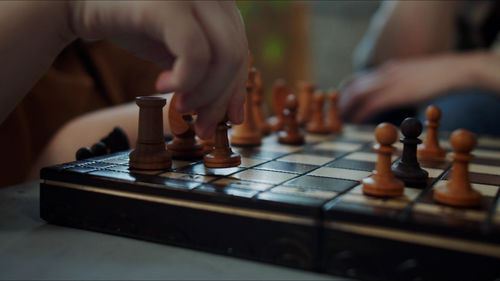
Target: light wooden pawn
column 458, row 191
column 430, row 148
column 383, row 182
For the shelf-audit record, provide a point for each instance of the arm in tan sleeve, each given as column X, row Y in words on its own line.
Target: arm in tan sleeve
column 88, row 129
column 403, row 29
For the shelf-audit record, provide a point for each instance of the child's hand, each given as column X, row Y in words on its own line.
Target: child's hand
column 201, row 45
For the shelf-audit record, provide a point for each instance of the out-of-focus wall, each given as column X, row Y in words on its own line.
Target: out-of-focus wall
column 336, row 29
column 310, row 40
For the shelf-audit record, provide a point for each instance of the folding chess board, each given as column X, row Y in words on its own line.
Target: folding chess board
column 299, row 206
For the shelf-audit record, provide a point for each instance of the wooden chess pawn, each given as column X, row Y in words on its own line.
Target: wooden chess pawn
column 317, row 123
column 257, row 105
column 208, row 145
column 291, row 133
column 383, row 182
column 150, row 152
column 185, row 145
column 430, row 148
column 279, row 93
column 407, row 168
column 221, row 156
column 333, row 116
column 305, row 96
column 458, row 191
column 247, row 134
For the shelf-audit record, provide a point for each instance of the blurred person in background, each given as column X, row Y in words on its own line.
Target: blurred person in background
column 420, row 52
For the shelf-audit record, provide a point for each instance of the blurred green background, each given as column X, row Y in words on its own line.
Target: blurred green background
column 305, row 40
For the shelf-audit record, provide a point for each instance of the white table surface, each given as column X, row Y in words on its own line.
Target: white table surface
column 32, row 249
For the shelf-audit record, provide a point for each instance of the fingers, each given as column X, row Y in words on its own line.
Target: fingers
column 359, row 93
column 228, row 56
column 192, row 50
column 210, row 115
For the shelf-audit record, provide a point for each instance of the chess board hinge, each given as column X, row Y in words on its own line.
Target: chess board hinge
column 230, row 210
column 450, row 243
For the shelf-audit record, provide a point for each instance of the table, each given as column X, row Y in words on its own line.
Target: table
column 32, row 249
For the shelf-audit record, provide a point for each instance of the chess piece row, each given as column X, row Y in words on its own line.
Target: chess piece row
column 390, row 182
column 217, row 152
column 115, row 141
column 310, row 110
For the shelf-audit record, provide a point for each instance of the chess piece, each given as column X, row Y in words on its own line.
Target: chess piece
column 317, row 123
column 257, row 105
column 208, row 145
column 116, row 141
column 407, row 168
column 247, row 134
column 383, row 182
column 305, row 93
column 458, row 191
column 99, row 149
column 278, row 97
column 221, row 156
column 430, row 148
column 333, row 117
column 184, row 144
column 150, row 152
column 83, row 153
column 291, row 133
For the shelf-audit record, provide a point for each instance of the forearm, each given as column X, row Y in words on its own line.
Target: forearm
column 90, row 128
column 484, row 69
column 32, row 35
column 406, row 29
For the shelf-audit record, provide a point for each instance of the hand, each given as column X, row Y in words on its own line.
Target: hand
column 400, row 83
column 201, row 45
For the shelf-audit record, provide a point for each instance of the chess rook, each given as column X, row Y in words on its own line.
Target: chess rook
column 458, row 191
column 383, row 182
column 150, row 152
column 247, row 134
column 430, row 148
column 221, row 156
column 291, row 133
column 407, row 168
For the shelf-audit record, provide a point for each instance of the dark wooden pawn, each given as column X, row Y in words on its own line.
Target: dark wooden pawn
column 407, row 168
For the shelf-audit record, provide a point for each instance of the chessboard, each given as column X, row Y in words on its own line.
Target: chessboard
column 295, row 205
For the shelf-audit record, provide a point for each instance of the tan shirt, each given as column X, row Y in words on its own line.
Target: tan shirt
column 83, row 78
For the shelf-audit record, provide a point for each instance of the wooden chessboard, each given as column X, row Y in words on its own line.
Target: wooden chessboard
column 299, row 206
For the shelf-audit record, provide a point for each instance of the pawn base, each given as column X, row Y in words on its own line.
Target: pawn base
column 286, row 138
column 431, row 153
column 410, row 175
column 185, row 149
column 318, row 129
column 383, row 188
column 444, row 195
column 248, row 140
column 336, row 128
column 211, row 160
